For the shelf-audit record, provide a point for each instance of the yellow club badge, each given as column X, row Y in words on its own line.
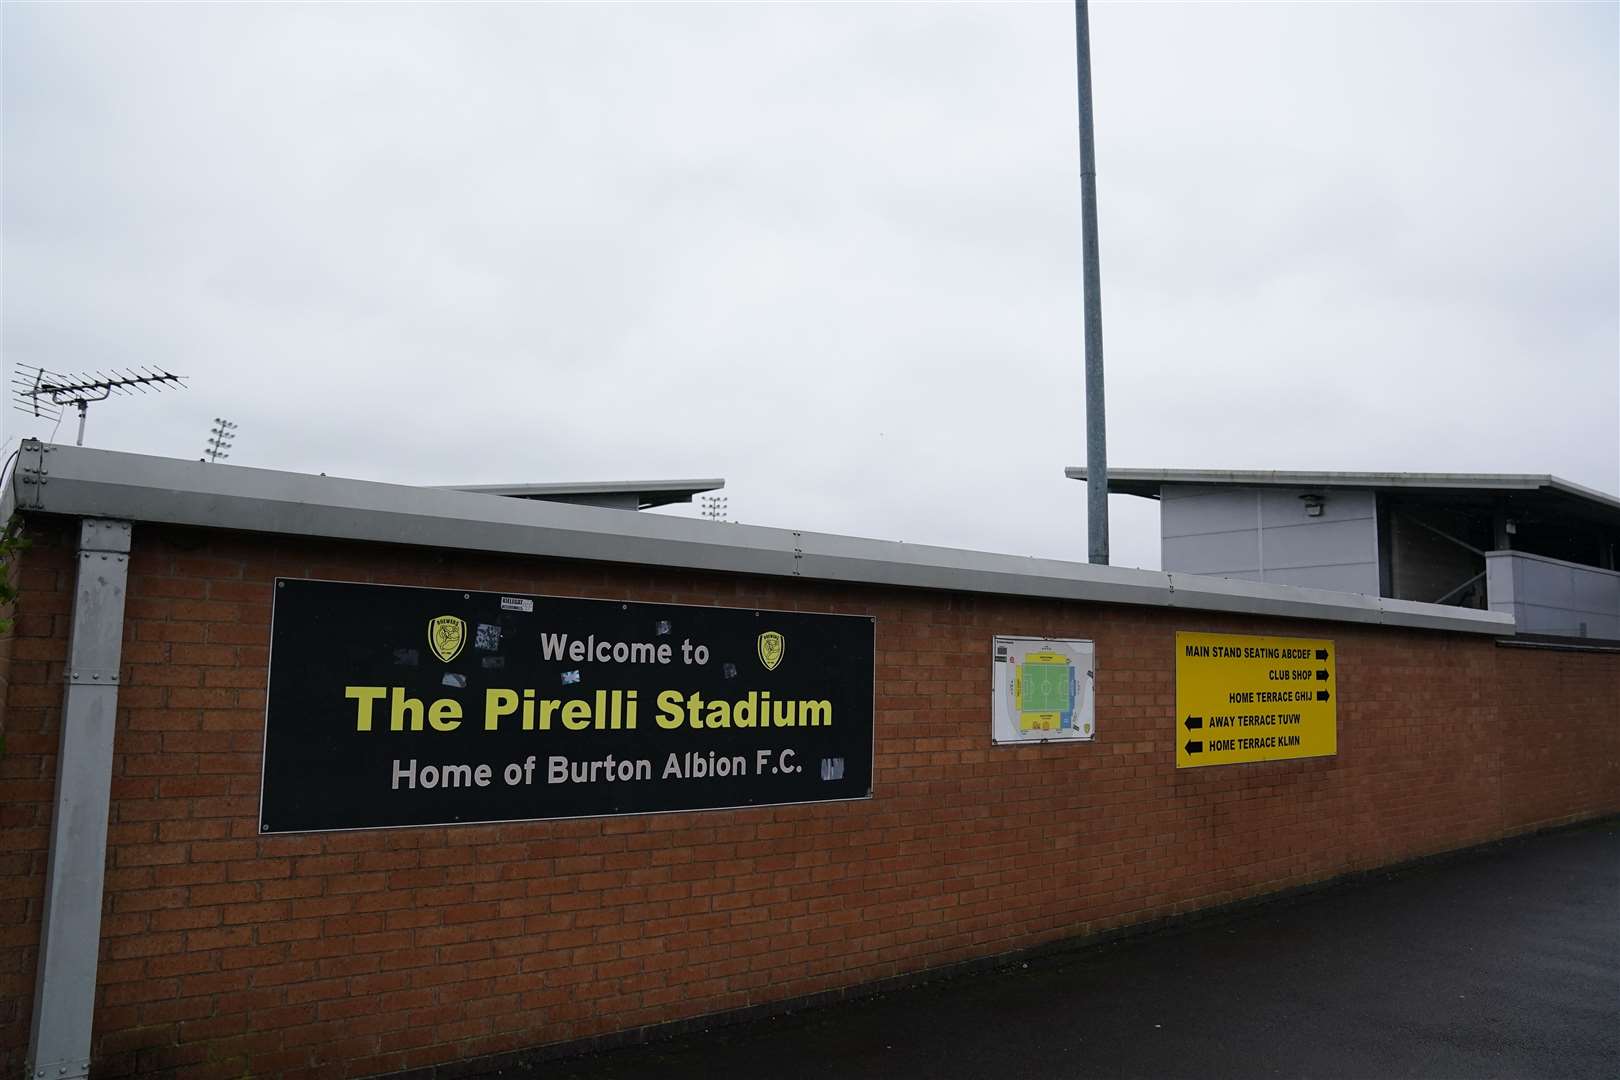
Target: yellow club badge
column 771, row 647
column 446, row 635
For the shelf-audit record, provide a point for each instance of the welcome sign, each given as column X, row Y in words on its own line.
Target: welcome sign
column 391, row 706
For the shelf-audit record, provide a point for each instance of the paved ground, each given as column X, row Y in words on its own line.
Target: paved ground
column 1503, row 964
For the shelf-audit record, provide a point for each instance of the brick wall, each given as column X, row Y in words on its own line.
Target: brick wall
column 348, row 954
column 1560, row 735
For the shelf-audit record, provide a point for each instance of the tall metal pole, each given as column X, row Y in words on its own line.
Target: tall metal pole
column 1096, row 427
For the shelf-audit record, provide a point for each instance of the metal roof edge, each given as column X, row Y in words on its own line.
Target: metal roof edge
column 597, row 487
column 1580, row 491
column 1326, row 478
column 82, row 482
column 1239, row 595
column 1422, row 616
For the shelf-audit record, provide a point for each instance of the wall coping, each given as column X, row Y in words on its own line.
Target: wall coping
column 81, row 482
column 1510, row 554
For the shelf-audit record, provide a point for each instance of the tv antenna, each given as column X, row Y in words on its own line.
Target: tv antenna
column 43, row 393
column 220, row 437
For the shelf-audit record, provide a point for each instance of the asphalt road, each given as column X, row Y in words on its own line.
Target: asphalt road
column 1499, row 964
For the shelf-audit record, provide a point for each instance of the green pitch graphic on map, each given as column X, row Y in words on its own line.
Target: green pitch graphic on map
column 1042, row 690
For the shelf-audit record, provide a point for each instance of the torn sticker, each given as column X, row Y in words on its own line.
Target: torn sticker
column 662, row 627
column 729, row 670
column 452, row 679
column 516, row 603
column 569, row 678
column 488, row 637
column 832, row 768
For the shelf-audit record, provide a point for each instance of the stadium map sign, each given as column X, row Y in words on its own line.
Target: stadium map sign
column 1041, row 690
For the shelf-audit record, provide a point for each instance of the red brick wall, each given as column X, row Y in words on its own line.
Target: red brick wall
column 1560, row 735
column 347, row 954
column 34, row 652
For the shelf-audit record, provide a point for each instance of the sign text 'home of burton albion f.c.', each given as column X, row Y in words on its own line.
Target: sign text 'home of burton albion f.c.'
column 392, row 706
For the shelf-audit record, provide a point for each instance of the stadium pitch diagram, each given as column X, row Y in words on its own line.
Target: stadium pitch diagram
column 1041, row 690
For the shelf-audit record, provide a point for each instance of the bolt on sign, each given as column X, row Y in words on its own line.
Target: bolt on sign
column 1241, row 698
column 391, row 706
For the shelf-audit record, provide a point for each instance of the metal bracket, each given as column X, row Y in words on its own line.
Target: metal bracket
column 92, row 676
column 104, row 537
column 31, row 474
column 63, row 1070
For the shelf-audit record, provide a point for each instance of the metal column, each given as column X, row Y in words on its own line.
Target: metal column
column 1091, row 259
column 70, row 939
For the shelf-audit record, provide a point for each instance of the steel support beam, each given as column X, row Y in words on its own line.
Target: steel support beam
column 1459, row 590
column 1444, row 535
column 70, row 937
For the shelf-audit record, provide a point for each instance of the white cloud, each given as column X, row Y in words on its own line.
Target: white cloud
column 831, row 253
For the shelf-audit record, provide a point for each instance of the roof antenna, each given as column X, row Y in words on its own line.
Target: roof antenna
column 220, row 437
column 42, row 393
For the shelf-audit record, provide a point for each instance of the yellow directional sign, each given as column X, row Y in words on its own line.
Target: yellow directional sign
column 1241, row 698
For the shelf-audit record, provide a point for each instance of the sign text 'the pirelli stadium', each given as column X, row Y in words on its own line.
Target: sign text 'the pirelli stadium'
column 393, row 706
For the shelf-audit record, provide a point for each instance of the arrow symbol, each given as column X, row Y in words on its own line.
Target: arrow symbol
column 1194, row 747
column 1194, row 722
column 1321, row 695
column 1321, row 675
column 1321, row 654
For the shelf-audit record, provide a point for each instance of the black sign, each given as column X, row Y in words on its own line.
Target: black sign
column 402, row 706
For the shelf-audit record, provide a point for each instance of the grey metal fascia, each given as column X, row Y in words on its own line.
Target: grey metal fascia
column 848, row 558
column 259, row 500
column 591, row 488
column 607, row 487
column 1411, row 613
column 1201, row 593
column 1376, row 480
column 1322, row 478
column 1581, row 492
column 1194, row 592
column 100, row 483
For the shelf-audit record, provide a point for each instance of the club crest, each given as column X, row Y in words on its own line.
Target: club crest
column 446, row 635
column 771, row 647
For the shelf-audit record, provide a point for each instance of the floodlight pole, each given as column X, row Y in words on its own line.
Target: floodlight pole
column 1096, row 433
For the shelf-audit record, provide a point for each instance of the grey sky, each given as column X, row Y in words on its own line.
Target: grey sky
column 828, row 252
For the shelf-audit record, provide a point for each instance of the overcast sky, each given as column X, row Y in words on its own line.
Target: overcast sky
column 830, row 253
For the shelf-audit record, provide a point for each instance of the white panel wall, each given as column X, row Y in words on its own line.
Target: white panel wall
column 1263, row 534
column 1550, row 596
